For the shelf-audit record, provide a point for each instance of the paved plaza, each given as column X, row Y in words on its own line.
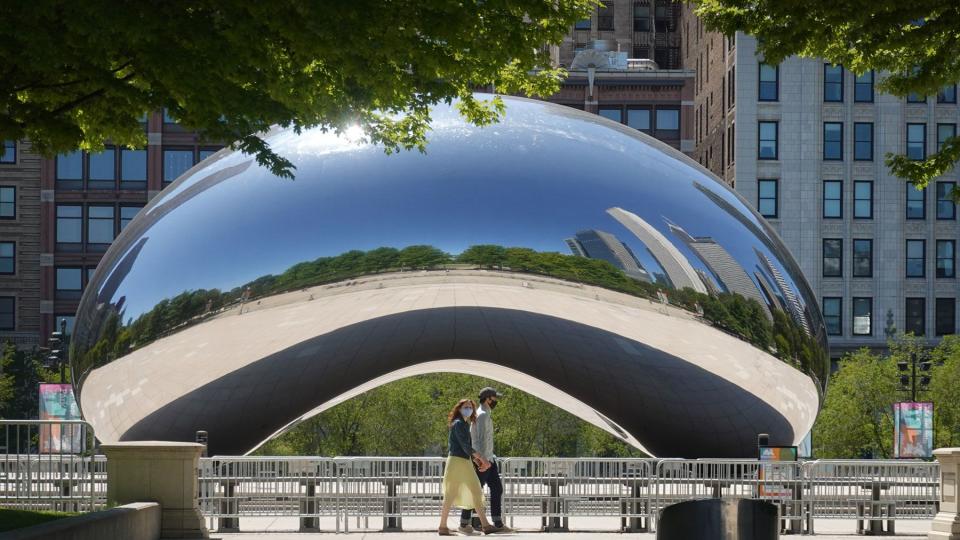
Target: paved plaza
column 423, row 528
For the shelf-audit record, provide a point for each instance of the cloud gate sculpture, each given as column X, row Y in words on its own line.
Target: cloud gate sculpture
column 556, row 251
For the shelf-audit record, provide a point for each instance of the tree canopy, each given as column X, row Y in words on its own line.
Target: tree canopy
column 80, row 74
column 915, row 43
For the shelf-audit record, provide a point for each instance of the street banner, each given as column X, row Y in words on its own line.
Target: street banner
column 913, row 429
column 770, row 474
column 57, row 403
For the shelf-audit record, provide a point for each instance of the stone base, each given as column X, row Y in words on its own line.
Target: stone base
column 946, row 526
column 182, row 523
column 164, row 472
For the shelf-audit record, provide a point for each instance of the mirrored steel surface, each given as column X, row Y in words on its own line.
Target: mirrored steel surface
column 556, row 251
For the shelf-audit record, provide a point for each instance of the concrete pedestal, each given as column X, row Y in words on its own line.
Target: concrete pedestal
column 946, row 526
column 158, row 471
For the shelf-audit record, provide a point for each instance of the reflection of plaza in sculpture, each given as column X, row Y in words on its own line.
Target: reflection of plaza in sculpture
column 368, row 268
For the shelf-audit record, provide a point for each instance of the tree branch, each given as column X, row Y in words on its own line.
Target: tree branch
column 83, row 99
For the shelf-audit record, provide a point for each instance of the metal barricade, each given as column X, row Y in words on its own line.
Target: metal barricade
column 873, row 491
column 51, row 465
column 308, row 488
column 680, row 480
column 391, row 488
column 555, row 489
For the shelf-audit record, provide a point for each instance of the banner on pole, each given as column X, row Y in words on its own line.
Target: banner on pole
column 913, row 429
column 57, row 403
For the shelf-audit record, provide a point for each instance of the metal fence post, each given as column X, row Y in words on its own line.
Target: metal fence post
column 228, row 508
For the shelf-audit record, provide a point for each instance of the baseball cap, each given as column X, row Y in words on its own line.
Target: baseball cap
column 488, row 392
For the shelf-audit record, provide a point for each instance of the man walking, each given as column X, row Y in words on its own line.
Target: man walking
column 481, row 434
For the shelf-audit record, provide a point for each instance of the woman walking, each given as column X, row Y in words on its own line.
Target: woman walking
column 461, row 487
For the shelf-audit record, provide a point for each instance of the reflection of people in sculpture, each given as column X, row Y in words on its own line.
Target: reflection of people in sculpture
column 481, row 433
column 461, row 487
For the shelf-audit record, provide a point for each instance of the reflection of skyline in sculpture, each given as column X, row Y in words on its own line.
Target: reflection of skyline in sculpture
column 594, row 244
column 674, row 264
column 794, row 307
column 729, row 273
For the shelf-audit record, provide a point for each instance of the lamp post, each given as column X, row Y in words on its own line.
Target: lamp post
column 908, row 375
column 57, row 350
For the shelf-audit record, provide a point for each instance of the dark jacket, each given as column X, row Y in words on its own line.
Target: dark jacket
column 459, row 439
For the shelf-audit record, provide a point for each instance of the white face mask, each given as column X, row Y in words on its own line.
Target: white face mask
column 466, row 411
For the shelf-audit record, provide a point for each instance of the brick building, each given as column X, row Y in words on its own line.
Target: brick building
column 19, row 244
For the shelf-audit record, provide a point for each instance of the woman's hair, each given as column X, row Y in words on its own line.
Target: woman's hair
column 455, row 413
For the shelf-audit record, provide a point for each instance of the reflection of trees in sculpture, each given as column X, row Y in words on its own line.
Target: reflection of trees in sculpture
column 733, row 313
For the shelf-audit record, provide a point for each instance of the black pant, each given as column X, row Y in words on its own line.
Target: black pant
column 491, row 478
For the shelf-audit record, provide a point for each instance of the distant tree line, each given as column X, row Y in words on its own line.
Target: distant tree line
column 408, row 418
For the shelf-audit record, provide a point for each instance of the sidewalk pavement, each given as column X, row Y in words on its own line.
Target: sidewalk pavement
column 422, row 528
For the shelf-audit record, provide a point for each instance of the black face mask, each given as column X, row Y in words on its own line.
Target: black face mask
column 493, row 405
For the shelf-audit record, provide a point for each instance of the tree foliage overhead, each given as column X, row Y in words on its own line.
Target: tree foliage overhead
column 915, row 42
column 77, row 74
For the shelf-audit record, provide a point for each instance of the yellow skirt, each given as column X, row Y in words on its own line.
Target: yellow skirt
column 461, row 487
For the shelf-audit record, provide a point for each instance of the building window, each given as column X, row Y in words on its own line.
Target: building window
column 863, row 87
column 133, row 169
column 731, row 148
column 862, row 257
column 832, row 257
column 69, row 319
column 915, row 316
column 668, row 123
column 832, row 83
column 946, row 258
column 946, row 316
column 167, row 119
column 127, row 213
column 863, row 141
column 917, row 141
column 914, row 97
column 916, row 258
column 768, row 148
column 665, row 21
column 944, row 132
column 947, row 94
column 605, row 16
column 833, row 199
column 641, row 17
column 8, row 202
column 832, row 315
column 582, row 24
column 612, row 113
column 8, row 313
column 863, row 199
column 862, row 316
column 639, row 119
column 641, row 51
column 9, row 150
column 767, row 197
column 732, row 87
column 69, row 224
column 832, row 141
column 69, row 281
column 70, row 166
column 8, row 258
column 946, row 209
column 103, row 166
column 175, row 163
column 769, row 83
column 99, row 224
column 204, row 153
column 916, row 202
